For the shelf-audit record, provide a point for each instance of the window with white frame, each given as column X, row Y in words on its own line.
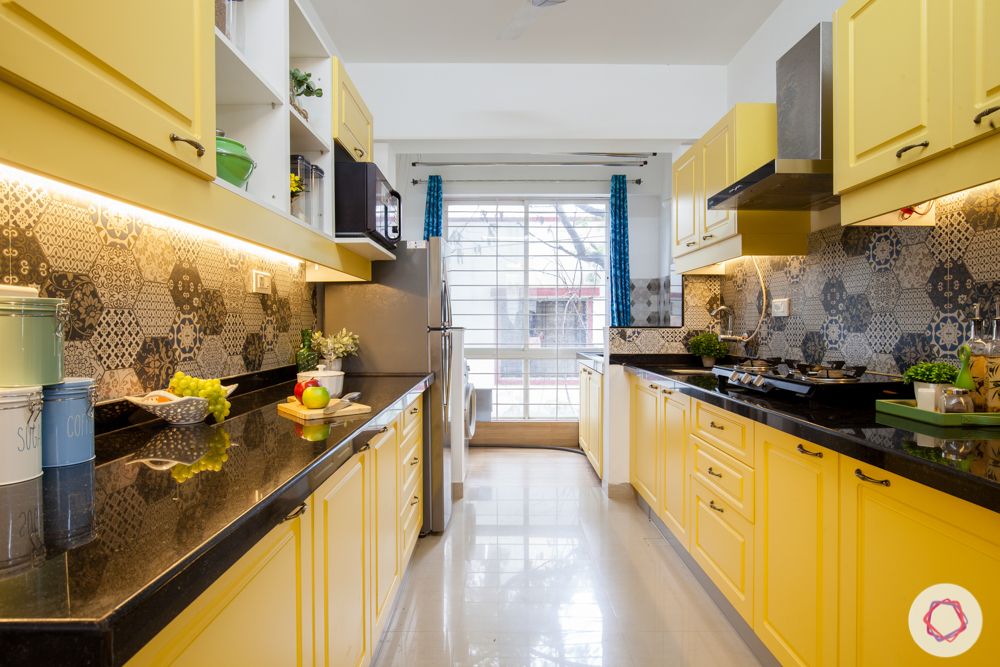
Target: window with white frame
column 527, row 279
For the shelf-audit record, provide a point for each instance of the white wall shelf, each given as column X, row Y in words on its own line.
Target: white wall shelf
column 304, row 40
column 366, row 248
column 236, row 81
column 305, row 138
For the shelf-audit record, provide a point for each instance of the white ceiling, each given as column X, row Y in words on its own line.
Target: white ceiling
column 674, row 32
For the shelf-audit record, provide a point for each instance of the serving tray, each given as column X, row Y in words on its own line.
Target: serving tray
column 909, row 410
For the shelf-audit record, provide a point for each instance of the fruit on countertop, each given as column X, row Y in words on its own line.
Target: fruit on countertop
column 316, row 397
column 183, row 384
column 301, row 387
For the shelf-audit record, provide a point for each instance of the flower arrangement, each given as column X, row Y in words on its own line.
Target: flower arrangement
column 936, row 372
column 707, row 345
column 337, row 346
column 295, row 187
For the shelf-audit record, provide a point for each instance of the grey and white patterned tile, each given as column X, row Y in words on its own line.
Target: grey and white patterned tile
column 946, row 333
column 883, row 292
column 117, row 226
column 117, row 338
column 154, row 363
column 186, row 337
column 950, row 238
column 155, row 254
column 883, row 332
column 155, row 309
column 884, row 249
column 79, row 360
column 25, row 203
column 914, row 310
column 65, row 232
column 983, row 256
column 85, row 305
column 982, row 207
column 856, row 350
column 914, row 265
column 186, row 287
column 116, row 275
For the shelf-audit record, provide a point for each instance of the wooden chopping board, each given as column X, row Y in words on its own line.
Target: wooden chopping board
column 295, row 409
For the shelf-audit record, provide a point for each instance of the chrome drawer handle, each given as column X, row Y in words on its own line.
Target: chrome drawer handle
column 707, row 237
column 803, row 450
column 414, row 411
column 691, row 243
column 295, row 513
column 653, row 387
column 667, row 392
column 904, row 149
column 711, row 503
column 865, row 478
column 717, row 426
column 414, row 501
column 199, row 149
column 415, row 461
column 711, row 471
column 978, row 120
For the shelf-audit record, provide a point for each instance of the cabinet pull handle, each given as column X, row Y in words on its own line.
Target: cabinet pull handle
column 359, row 152
column 199, row 149
column 414, row 501
column 691, row 243
column 415, row 461
column 865, row 478
column 718, row 427
column 667, row 392
column 904, row 149
column 295, row 513
column 653, row 387
column 711, row 471
column 707, row 237
column 414, row 411
column 364, row 448
column 984, row 113
column 711, row 503
column 803, row 450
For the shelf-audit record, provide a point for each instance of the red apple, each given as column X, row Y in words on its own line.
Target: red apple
column 301, row 387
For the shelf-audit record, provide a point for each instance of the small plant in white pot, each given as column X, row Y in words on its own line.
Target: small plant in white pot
column 335, row 347
column 930, row 379
column 708, row 346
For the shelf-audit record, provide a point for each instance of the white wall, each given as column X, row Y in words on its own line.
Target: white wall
column 529, row 101
column 750, row 74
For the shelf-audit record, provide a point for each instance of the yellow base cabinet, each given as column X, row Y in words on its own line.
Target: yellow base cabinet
column 796, row 543
column 645, row 452
column 144, row 71
column 591, row 430
column 385, row 514
column 898, row 538
column 672, row 435
column 259, row 612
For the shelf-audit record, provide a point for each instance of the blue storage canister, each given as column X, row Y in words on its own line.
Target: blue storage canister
column 68, row 422
column 68, row 507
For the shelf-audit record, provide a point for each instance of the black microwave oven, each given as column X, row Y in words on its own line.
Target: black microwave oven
column 365, row 203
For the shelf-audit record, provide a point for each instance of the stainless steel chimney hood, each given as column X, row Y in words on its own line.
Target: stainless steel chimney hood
column 801, row 178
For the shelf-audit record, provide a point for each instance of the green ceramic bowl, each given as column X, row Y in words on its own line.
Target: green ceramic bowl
column 232, row 162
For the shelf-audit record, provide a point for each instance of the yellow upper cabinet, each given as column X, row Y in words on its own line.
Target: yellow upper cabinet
column 977, row 69
column 142, row 70
column 689, row 198
column 352, row 121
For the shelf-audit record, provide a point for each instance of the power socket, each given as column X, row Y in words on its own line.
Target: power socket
column 260, row 282
column 781, row 307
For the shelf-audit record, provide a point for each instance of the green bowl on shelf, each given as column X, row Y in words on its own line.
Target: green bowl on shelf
column 232, row 161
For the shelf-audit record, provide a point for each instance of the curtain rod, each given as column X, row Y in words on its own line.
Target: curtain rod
column 417, row 181
column 643, row 163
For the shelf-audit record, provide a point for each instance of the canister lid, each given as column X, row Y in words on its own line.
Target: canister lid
column 18, row 290
column 12, row 396
column 28, row 304
column 70, row 386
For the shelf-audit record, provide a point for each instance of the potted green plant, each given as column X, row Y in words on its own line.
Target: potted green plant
column 301, row 85
column 708, row 346
column 336, row 346
column 930, row 379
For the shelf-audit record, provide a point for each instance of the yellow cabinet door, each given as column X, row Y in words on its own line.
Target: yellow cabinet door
column 689, row 201
column 898, row 540
column 673, row 434
column 977, row 69
column 584, row 435
column 718, row 157
column 595, row 421
column 259, row 612
column 892, row 86
column 385, row 465
column 143, row 70
column 352, row 121
column 644, row 457
column 341, row 533
column 796, row 542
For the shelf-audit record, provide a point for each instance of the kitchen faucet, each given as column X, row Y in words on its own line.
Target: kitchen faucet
column 726, row 327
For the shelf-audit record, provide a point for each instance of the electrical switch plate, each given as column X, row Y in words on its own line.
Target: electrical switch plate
column 260, row 282
column 781, row 307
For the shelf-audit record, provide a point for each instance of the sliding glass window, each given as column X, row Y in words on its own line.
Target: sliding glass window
column 528, row 282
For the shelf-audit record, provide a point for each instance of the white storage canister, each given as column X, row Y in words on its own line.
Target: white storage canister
column 22, row 544
column 68, row 422
column 20, row 434
column 332, row 380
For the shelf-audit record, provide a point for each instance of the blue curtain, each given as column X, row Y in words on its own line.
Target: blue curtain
column 434, row 211
column 621, row 308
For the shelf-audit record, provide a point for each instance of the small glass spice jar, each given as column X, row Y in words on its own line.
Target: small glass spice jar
column 957, row 401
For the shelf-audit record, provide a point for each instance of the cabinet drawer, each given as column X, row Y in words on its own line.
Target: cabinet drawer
column 412, row 474
column 730, row 433
column 413, row 415
column 723, row 475
column 722, row 543
column 411, row 519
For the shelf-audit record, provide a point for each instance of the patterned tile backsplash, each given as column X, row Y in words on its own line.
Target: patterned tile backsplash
column 148, row 298
column 701, row 295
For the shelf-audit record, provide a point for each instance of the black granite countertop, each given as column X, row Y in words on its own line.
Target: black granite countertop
column 148, row 541
column 964, row 462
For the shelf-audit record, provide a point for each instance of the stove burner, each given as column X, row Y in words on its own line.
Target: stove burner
column 758, row 365
column 764, row 375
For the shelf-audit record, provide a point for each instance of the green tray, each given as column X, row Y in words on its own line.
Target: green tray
column 909, row 410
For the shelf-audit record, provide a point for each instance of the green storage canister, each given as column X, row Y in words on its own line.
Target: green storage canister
column 31, row 336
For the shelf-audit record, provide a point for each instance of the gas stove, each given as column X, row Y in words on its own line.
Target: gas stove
column 835, row 380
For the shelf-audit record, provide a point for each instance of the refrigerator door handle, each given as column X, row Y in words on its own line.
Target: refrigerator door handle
column 446, row 368
column 445, row 304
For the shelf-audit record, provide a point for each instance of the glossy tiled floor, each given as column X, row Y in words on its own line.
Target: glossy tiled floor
column 539, row 568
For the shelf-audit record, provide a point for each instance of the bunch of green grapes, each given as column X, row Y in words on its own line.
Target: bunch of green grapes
column 183, row 384
column 210, row 460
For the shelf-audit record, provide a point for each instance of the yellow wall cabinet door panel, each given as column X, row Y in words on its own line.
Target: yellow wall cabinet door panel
column 259, row 612
column 977, row 69
column 352, row 121
column 892, row 87
column 796, row 541
column 896, row 541
column 145, row 71
column 384, row 453
column 343, row 578
column 724, row 475
column 595, row 422
column 689, row 201
column 722, row 543
column 673, row 510
column 645, row 450
column 718, row 150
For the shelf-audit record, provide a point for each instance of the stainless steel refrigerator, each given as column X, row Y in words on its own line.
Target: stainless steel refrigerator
column 404, row 319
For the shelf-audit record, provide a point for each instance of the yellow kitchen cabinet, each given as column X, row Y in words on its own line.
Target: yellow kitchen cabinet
column 584, row 430
column 892, row 87
column 144, row 71
column 591, row 436
column 384, row 451
column 259, row 612
column 352, row 121
column 722, row 474
column 977, row 69
column 897, row 538
column 796, row 543
column 689, row 201
column 672, row 437
column 645, row 451
column 342, row 527
column 410, row 506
